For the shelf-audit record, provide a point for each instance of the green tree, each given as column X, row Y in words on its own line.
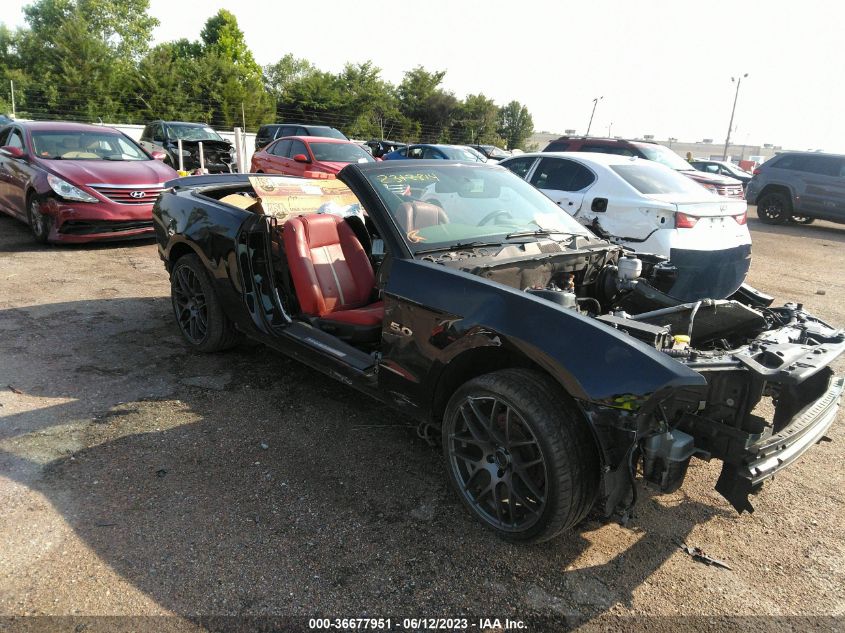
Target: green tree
column 222, row 36
column 515, row 124
column 279, row 76
column 476, row 120
column 422, row 100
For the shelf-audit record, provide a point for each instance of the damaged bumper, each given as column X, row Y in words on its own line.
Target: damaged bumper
column 767, row 456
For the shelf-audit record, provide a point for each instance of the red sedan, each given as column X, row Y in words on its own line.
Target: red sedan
column 311, row 155
column 73, row 182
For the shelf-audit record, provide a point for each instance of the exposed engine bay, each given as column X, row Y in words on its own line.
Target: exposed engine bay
column 746, row 350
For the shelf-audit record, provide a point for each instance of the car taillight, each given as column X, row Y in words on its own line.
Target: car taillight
column 741, row 219
column 684, row 221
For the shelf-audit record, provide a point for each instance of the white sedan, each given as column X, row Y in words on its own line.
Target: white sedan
column 649, row 208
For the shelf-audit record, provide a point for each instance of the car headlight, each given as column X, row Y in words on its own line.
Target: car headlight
column 67, row 191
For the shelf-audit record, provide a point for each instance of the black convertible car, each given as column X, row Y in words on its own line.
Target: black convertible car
column 554, row 367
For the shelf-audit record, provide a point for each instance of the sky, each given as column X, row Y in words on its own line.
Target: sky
column 661, row 67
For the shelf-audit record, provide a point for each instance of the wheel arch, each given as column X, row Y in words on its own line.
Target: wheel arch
column 180, row 249
column 777, row 188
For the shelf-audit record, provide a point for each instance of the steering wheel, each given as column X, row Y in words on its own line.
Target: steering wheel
column 493, row 215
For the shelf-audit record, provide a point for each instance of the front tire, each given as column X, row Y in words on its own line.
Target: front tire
column 520, row 455
column 774, row 208
column 39, row 223
column 204, row 325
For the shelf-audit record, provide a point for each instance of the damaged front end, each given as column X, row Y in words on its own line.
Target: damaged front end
column 770, row 396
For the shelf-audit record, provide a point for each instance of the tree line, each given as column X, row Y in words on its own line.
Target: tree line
column 89, row 60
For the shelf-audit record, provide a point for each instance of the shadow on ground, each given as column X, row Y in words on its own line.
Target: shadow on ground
column 245, row 483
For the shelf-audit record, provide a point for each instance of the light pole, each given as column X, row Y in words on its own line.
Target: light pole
column 738, row 81
column 609, row 127
column 672, row 139
column 595, row 103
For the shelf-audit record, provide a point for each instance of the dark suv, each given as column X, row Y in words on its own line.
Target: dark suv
column 272, row 131
column 799, row 187
column 721, row 185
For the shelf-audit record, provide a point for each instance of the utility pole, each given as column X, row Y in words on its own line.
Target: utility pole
column 12, row 84
column 609, row 127
column 595, row 103
column 738, row 81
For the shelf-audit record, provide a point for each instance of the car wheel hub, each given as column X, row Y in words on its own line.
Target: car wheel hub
column 498, row 463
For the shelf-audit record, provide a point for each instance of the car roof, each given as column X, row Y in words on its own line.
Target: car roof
column 188, row 123
column 585, row 157
column 63, row 126
column 808, row 154
column 604, row 139
column 311, row 139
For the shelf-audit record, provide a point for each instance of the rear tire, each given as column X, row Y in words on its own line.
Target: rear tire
column 199, row 315
column 774, row 208
column 801, row 219
column 520, row 455
column 39, row 223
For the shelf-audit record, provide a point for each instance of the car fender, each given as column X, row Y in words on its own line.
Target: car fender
column 454, row 312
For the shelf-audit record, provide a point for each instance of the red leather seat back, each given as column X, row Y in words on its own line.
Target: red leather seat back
column 416, row 215
column 329, row 267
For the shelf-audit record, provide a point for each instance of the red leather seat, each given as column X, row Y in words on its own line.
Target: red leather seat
column 331, row 273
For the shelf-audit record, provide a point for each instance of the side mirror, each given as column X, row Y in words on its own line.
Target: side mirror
column 599, row 205
column 13, row 151
column 157, row 155
column 301, row 158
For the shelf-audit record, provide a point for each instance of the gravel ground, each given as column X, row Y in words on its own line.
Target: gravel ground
column 139, row 479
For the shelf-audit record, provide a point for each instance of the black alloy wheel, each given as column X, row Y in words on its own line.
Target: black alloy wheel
column 39, row 223
column 774, row 208
column 201, row 319
column 189, row 304
column 518, row 455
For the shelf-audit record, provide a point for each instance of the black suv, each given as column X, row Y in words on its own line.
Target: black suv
column 272, row 131
column 649, row 150
column 799, row 187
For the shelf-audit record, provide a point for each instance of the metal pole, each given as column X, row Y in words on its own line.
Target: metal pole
column 179, row 149
column 239, row 149
column 202, row 158
column 595, row 103
column 12, row 84
column 733, row 110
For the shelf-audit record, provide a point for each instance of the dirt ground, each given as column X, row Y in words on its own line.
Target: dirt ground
column 137, row 478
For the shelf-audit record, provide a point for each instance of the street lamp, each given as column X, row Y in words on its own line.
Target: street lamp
column 738, row 81
column 595, row 103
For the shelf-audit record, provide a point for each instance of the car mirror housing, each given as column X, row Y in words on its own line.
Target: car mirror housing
column 301, row 158
column 13, row 151
column 158, row 155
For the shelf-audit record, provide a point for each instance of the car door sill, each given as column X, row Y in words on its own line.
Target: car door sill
column 328, row 353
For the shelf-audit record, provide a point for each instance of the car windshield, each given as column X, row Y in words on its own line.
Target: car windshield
column 441, row 207
column 193, row 132
column 340, row 153
column 71, row 145
column 495, row 152
column 664, row 156
column 324, row 130
column 462, row 153
column 481, row 158
column 649, row 179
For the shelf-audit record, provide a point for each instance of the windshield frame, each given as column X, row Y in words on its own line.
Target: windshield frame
column 37, row 135
column 171, row 132
column 389, row 200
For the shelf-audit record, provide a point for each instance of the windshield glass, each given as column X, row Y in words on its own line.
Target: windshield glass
column 324, row 130
column 649, row 178
column 439, row 207
column 192, row 132
column 55, row 145
column 462, row 153
column 340, row 153
column 664, row 156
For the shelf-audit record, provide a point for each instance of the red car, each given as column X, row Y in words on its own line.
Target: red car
column 74, row 182
column 296, row 155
